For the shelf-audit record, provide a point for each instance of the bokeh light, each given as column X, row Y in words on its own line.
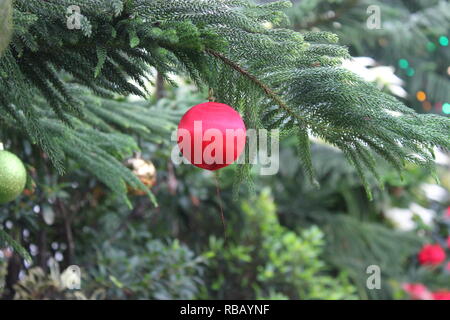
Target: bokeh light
column 431, row 47
column 426, row 105
column 410, row 72
column 446, row 108
column 403, row 63
column 443, row 41
column 421, row 96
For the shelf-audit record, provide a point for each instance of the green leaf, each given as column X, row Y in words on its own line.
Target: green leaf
column 304, row 150
column 101, row 56
column 134, row 42
column 134, row 39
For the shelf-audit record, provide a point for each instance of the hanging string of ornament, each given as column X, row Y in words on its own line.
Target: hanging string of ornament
column 211, row 136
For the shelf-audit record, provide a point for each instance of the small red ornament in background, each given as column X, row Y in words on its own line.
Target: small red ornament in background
column 431, row 254
column 441, row 295
column 211, row 135
column 417, row 291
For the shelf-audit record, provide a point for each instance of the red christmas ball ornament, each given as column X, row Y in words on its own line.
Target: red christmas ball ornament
column 431, row 254
column 211, row 135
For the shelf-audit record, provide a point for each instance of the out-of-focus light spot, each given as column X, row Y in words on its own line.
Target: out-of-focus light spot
column 337, row 25
column 426, row 105
column 443, row 41
column 446, row 108
column 330, row 14
column 33, row 249
column 26, row 263
column 410, row 72
column 421, row 96
column 431, row 47
column 448, row 70
column 383, row 42
column 59, row 257
column 403, row 63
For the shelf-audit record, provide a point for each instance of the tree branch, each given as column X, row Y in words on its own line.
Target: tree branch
column 267, row 90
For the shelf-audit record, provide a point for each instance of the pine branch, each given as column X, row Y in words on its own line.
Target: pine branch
column 271, row 94
column 278, row 78
column 7, row 240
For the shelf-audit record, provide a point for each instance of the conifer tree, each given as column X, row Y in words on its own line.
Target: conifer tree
column 57, row 84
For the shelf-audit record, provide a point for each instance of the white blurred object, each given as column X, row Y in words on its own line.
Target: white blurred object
column 441, row 157
column 71, row 277
column 403, row 218
column 48, row 215
column 425, row 214
column 383, row 76
column 54, row 269
column 400, row 218
column 435, row 192
column 267, row 25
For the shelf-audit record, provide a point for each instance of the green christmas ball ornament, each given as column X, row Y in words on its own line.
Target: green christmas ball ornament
column 13, row 176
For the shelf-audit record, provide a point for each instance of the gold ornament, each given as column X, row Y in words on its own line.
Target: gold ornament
column 145, row 171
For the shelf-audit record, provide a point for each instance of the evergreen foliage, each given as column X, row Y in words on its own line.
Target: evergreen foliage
column 276, row 77
column 5, row 24
column 410, row 29
column 356, row 232
column 57, row 85
column 266, row 260
column 98, row 141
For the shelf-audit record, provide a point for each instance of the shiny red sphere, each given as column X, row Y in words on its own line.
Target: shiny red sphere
column 211, row 135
